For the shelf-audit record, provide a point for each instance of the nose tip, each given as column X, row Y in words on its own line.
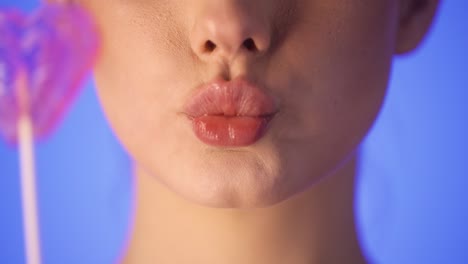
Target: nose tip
column 227, row 31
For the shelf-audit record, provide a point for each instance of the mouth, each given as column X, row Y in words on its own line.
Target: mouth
column 230, row 114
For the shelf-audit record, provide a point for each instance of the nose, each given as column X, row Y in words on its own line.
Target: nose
column 228, row 29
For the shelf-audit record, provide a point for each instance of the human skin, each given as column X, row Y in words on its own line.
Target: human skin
column 326, row 63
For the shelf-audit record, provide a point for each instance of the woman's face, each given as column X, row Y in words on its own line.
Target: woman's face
column 324, row 62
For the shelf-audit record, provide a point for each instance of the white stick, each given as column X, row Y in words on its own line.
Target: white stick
column 28, row 190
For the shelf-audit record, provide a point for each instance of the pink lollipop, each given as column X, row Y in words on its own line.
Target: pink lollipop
column 43, row 58
column 48, row 53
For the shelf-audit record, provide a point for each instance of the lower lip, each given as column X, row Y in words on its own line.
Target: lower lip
column 223, row 131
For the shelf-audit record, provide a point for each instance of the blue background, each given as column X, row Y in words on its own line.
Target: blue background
column 412, row 198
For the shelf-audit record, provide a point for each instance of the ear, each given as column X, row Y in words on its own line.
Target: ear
column 416, row 17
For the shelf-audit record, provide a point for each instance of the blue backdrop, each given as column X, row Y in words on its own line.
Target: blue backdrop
column 412, row 192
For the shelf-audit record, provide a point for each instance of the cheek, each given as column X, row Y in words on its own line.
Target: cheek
column 337, row 64
column 354, row 76
column 137, row 72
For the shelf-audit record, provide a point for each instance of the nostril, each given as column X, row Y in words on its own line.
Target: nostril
column 209, row 46
column 249, row 44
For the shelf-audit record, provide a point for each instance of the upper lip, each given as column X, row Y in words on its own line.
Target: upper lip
column 238, row 97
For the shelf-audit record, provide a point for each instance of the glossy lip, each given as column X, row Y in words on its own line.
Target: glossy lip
column 235, row 98
column 234, row 113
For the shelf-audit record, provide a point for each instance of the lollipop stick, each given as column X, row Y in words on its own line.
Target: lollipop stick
column 28, row 190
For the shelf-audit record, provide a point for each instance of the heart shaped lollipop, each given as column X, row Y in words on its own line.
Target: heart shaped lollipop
column 43, row 59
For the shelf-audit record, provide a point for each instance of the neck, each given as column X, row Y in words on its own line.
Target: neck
column 316, row 226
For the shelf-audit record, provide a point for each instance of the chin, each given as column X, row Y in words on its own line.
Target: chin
column 230, row 179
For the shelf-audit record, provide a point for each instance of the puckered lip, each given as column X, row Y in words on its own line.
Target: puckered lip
column 236, row 98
